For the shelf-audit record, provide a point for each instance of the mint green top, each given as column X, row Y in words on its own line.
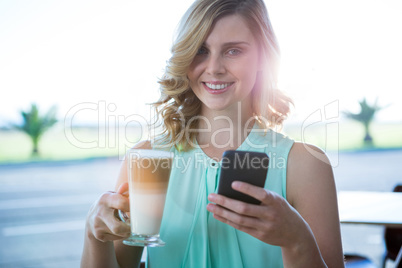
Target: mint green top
column 194, row 238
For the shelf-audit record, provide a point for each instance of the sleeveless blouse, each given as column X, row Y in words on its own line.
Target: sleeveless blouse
column 194, row 238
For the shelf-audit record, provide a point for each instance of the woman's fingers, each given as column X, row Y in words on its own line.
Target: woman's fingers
column 235, row 205
column 243, row 228
column 266, row 198
column 105, row 226
column 115, row 201
column 232, row 218
column 269, row 221
column 117, row 227
column 110, row 230
column 258, row 193
column 241, row 215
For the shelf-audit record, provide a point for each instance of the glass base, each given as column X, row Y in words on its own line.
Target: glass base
column 144, row 241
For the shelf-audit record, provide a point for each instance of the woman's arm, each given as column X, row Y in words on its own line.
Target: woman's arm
column 306, row 226
column 104, row 233
column 311, row 191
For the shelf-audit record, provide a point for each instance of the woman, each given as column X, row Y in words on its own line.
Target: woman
column 219, row 93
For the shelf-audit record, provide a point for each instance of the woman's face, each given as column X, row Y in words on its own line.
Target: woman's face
column 225, row 68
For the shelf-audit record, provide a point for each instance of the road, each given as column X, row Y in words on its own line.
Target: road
column 43, row 206
column 43, row 209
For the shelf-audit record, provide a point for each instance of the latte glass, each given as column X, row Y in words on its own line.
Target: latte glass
column 148, row 179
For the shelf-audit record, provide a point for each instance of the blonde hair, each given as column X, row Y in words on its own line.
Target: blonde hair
column 178, row 107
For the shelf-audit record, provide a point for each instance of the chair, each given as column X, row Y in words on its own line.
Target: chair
column 357, row 261
column 393, row 239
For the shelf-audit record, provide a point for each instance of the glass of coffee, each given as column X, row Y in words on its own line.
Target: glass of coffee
column 148, row 179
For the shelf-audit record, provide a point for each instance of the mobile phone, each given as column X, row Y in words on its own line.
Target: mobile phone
column 246, row 166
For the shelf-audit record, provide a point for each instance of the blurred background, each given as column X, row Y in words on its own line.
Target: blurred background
column 76, row 78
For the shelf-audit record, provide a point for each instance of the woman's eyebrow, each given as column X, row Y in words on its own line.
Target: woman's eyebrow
column 228, row 44
column 236, row 43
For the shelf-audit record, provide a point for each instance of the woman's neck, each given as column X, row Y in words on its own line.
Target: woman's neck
column 224, row 130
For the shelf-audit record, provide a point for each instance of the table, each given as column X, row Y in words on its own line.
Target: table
column 378, row 208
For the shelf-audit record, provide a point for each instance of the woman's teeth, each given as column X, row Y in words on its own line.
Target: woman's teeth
column 217, row 87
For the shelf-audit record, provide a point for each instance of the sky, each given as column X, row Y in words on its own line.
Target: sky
column 101, row 59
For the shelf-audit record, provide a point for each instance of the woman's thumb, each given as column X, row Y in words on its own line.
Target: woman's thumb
column 123, row 189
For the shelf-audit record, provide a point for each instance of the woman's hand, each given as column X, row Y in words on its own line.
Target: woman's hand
column 102, row 223
column 274, row 221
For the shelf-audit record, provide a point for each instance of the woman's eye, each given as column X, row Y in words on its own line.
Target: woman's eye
column 202, row 51
column 234, row 52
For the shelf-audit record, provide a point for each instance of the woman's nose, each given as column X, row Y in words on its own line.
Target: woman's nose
column 215, row 65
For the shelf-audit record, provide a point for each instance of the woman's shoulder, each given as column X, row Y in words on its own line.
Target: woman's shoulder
column 308, row 170
column 307, row 154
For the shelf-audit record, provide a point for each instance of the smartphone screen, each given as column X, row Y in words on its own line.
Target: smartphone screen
column 246, row 166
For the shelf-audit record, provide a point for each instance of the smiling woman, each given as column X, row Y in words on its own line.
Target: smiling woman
column 219, row 93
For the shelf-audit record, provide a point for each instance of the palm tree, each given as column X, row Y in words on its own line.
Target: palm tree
column 34, row 124
column 365, row 116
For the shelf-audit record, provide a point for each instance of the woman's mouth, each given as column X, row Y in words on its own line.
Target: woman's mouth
column 217, row 88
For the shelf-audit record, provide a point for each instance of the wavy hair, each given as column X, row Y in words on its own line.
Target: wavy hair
column 178, row 108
